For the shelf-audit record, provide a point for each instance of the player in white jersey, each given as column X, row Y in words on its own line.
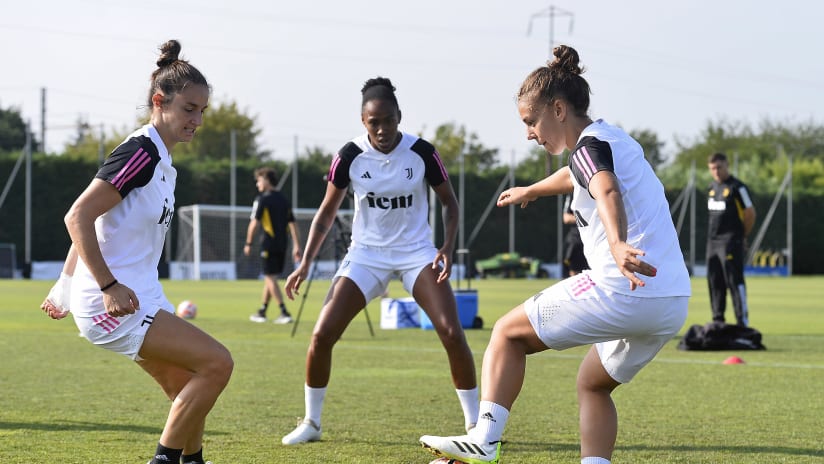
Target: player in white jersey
column 627, row 231
column 390, row 173
column 110, row 281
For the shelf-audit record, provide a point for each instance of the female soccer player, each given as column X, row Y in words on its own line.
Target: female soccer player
column 110, row 283
column 390, row 172
column 623, row 217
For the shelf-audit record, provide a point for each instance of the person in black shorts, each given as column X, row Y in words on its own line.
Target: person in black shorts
column 272, row 213
column 731, row 218
column 574, row 259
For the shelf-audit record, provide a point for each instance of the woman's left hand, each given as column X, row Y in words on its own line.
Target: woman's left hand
column 626, row 257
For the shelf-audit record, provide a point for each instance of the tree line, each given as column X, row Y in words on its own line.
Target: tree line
column 760, row 156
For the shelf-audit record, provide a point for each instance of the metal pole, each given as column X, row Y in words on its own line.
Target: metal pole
column 462, row 208
column 43, row 119
column 559, row 224
column 295, row 177
column 790, row 218
column 232, row 195
column 551, row 12
column 27, row 248
column 101, row 148
column 511, row 206
column 692, row 217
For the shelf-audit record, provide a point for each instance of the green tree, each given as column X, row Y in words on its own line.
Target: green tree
column 315, row 157
column 451, row 139
column 652, row 146
column 13, row 130
column 758, row 156
column 91, row 145
column 213, row 139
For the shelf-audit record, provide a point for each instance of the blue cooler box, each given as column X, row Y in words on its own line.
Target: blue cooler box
column 467, row 309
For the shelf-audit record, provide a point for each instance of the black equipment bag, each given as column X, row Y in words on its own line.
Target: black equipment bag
column 717, row 336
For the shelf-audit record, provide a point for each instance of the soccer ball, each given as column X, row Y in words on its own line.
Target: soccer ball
column 186, row 309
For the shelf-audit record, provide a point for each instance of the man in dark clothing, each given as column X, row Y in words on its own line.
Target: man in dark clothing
column 272, row 213
column 731, row 218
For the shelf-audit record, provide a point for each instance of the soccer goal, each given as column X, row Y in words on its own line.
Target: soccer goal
column 210, row 241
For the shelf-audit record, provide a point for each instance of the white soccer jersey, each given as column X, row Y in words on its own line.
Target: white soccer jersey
column 390, row 190
column 131, row 234
column 604, row 147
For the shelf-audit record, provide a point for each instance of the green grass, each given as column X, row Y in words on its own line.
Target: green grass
column 65, row 401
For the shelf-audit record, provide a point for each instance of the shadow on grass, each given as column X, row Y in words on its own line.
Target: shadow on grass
column 76, row 426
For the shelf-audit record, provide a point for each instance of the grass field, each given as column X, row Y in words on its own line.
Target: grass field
column 64, row 401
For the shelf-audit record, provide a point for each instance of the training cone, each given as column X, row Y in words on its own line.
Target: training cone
column 733, row 360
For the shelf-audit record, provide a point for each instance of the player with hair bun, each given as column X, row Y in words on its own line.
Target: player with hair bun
column 110, row 282
column 624, row 221
column 390, row 173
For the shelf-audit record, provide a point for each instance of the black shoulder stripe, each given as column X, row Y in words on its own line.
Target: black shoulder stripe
column 130, row 165
column 435, row 170
column 339, row 170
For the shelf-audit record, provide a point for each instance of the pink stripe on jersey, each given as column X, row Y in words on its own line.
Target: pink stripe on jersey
column 584, row 163
column 106, row 322
column 440, row 164
column 133, row 166
column 334, row 167
column 581, row 284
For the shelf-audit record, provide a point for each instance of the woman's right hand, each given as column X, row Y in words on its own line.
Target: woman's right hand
column 120, row 300
column 293, row 282
column 515, row 195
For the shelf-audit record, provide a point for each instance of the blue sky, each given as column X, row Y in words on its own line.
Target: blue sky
column 669, row 67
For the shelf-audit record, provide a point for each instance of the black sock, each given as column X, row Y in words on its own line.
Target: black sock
column 165, row 455
column 283, row 309
column 196, row 458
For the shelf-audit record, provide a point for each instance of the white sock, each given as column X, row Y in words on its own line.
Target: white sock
column 492, row 419
column 313, row 399
column 591, row 460
column 469, row 404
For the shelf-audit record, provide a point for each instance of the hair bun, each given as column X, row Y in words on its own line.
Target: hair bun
column 566, row 60
column 169, row 53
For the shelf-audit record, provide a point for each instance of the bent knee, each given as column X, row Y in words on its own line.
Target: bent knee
column 220, row 365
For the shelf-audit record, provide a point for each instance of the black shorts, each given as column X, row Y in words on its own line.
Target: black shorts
column 272, row 261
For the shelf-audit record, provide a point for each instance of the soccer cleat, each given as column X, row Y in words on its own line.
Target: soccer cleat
column 306, row 431
column 283, row 319
column 463, row 449
column 257, row 317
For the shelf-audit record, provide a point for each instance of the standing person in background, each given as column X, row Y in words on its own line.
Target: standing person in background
column 623, row 217
column 731, row 218
column 390, row 173
column 110, row 280
column 574, row 260
column 272, row 213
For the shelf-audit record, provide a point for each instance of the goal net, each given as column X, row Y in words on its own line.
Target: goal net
column 210, row 241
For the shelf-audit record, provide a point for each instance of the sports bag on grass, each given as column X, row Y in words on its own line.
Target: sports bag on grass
column 716, row 336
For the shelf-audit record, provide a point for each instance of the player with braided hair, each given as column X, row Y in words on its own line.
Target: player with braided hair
column 390, row 173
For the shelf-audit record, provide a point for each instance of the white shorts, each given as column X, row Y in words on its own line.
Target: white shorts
column 371, row 268
column 122, row 335
column 627, row 331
